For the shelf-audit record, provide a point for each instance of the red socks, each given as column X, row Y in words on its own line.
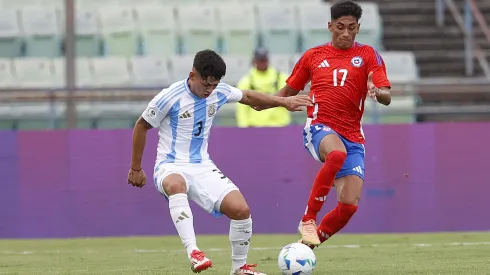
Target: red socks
column 335, row 220
column 323, row 182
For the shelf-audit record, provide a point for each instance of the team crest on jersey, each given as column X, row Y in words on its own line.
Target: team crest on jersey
column 357, row 61
column 212, row 110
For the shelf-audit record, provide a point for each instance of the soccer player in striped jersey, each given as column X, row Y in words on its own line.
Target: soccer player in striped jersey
column 183, row 114
column 342, row 73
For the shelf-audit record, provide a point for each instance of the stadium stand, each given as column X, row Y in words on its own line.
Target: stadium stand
column 151, row 43
column 151, row 27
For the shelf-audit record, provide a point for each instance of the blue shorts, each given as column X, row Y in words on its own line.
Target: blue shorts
column 354, row 163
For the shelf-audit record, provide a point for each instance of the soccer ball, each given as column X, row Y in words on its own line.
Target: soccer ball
column 296, row 259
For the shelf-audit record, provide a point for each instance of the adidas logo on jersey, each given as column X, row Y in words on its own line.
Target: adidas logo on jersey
column 324, row 64
column 185, row 115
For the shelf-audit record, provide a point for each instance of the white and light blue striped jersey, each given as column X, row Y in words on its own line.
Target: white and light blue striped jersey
column 184, row 121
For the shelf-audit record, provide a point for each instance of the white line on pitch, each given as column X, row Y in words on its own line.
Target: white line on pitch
column 351, row 246
column 327, row 247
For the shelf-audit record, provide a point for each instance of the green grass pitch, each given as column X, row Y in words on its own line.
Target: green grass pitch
column 390, row 254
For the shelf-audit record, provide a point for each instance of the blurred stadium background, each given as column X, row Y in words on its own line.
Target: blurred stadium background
column 127, row 50
column 94, row 64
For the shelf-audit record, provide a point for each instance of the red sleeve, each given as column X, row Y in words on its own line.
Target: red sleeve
column 301, row 73
column 377, row 66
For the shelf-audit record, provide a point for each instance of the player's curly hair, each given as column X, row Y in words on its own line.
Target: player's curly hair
column 345, row 8
column 209, row 64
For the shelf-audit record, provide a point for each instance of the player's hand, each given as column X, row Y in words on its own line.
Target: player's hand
column 294, row 103
column 137, row 178
column 372, row 89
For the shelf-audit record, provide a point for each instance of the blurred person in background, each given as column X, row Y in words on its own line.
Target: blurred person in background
column 265, row 79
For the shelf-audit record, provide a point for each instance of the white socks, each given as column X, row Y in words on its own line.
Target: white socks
column 183, row 220
column 240, row 234
column 240, row 231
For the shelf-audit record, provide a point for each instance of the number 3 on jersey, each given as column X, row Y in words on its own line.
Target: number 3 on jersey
column 343, row 75
column 199, row 129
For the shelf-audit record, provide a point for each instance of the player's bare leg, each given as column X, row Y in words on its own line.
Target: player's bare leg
column 236, row 208
column 332, row 153
column 349, row 190
column 175, row 187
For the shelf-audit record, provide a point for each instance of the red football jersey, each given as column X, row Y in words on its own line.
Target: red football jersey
column 339, row 85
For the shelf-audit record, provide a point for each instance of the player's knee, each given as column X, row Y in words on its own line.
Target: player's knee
column 349, row 199
column 173, row 188
column 174, row 184
column 336, row 158
column 241, row 212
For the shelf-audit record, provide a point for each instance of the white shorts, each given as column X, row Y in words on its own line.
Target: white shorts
column 206, row 185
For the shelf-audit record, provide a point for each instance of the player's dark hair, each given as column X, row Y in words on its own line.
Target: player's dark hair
column 345, row 8
column 209, row 64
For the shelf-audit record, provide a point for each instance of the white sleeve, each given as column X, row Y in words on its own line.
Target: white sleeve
column 156, row 110
column 232, row 94
column 235, row 95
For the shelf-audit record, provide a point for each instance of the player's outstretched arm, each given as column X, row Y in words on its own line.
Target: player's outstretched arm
column 136, row 176
column 287, row 91
column 260, row 100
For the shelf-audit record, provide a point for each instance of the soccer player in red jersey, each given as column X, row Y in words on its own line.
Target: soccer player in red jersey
column 342, row 73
